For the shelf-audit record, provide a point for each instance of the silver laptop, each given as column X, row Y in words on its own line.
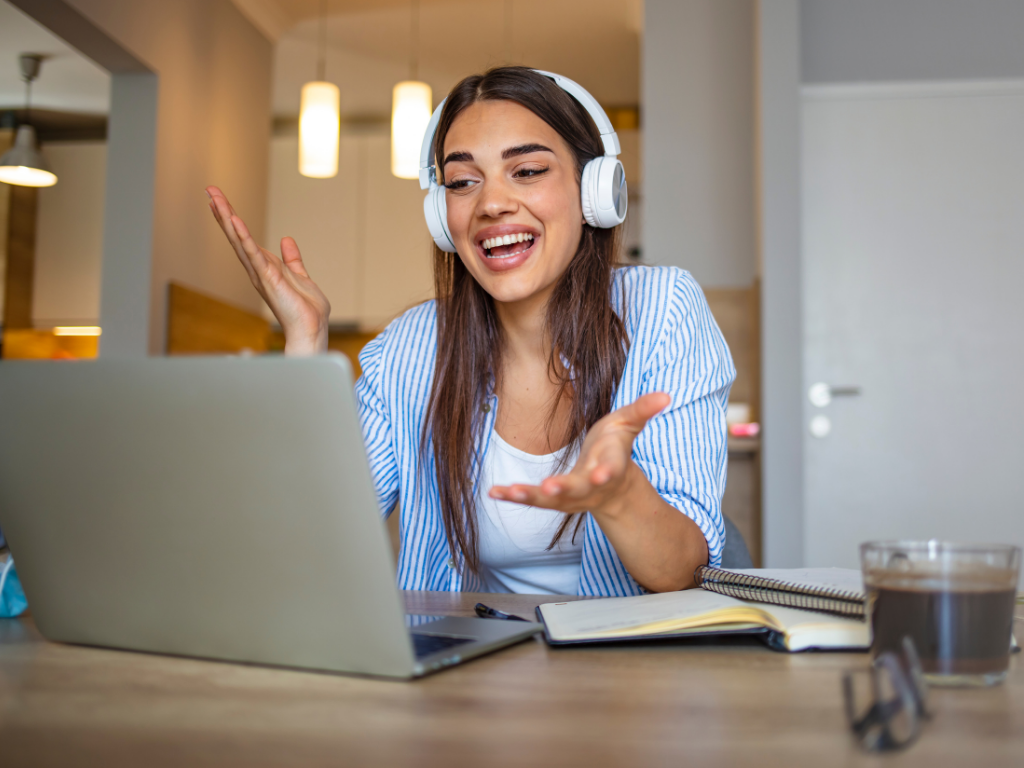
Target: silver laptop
column 211, row 507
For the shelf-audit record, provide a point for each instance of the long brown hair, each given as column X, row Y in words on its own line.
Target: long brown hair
column 589, row 340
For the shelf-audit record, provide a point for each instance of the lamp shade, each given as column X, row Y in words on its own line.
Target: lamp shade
column 23, row 165
column 410, row 113
column 319, row 130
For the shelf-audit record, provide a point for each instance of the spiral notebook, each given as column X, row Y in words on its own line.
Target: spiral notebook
column 828, row 590
column 784, row 626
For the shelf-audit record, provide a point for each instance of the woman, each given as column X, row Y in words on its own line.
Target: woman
column 509, row 416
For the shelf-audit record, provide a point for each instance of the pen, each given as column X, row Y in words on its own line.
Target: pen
column 486, row 612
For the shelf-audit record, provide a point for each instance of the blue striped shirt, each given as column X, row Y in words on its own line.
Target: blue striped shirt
column 675, row 347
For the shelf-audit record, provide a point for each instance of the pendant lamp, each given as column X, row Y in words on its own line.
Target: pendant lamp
column 22, row 164
column 320, row 117
column 411, row 105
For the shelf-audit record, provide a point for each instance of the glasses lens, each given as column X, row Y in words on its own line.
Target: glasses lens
column 858, row 696
column 881, row 706
column 915, row 676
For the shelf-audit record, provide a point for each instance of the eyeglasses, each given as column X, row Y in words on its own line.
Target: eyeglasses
column 886, row 703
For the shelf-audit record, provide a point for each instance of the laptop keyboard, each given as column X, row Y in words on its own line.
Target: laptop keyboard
column 428, row 644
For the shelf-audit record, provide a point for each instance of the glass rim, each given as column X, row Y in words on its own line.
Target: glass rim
column 939, row 546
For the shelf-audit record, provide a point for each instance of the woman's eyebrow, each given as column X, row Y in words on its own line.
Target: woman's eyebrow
column 457, row 157
column 523, row 149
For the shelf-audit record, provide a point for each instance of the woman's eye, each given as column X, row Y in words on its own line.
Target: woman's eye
column 525, row 173
column 458, row 184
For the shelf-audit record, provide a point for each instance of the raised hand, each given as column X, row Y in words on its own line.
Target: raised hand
column 604, row 477
column 296, row 301
column 659, row 545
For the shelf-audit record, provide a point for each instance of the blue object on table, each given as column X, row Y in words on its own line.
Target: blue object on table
column 12, row 596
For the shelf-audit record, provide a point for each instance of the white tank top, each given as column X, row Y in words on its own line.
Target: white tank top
column 513, row 538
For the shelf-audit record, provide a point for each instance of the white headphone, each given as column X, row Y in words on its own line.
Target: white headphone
column 602, row 188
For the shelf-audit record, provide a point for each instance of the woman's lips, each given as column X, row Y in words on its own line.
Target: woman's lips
column 501, row 263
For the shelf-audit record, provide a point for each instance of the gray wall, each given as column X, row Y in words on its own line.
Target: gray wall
column 698, row 122
column 873, row 40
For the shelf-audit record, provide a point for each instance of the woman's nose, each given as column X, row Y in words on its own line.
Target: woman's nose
column 496, row 199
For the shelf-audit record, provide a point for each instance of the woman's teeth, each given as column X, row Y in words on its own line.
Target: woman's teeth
column 494, row 242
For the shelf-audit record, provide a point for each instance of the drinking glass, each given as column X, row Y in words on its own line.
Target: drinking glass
column 954, row 601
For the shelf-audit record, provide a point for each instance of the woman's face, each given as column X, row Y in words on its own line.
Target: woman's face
column 509, row 175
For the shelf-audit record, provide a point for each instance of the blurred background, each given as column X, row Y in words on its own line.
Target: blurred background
column 843, row 177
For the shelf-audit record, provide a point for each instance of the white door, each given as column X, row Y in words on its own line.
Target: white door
column 913, row 291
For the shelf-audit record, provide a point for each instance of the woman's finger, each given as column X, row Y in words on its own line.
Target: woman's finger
column 636, row 415
column 214, row 193
column 531, row 495
column 257, row 256
column 291, row 257
column 571, row 486
column 222, row 213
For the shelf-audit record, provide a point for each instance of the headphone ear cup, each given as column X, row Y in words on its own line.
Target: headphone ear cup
column 603, row 192
column 435, row 211
column 588, row 191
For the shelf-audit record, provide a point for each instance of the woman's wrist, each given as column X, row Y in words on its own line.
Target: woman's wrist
column 306, row 343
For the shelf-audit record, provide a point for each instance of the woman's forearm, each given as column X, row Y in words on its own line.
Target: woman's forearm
column 659, row 545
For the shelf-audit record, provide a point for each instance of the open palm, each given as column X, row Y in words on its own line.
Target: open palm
column 601, row 473
column 296, row 301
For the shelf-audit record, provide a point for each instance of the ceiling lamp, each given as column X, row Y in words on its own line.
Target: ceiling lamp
column 320, row 118
column 22, row 164
column 410, row 112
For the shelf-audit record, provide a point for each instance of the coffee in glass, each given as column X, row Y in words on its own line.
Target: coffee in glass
column 954, row 601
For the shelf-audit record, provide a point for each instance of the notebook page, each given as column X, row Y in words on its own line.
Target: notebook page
column 810, row 629
column 590, row 617
column 846, row 579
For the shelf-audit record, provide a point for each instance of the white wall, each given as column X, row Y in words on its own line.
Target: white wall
column 698, row 122
column 69, row 236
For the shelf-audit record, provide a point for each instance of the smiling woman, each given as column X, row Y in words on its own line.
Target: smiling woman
column 603, row 468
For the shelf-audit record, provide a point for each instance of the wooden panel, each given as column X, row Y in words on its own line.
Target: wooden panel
column 736, row 312
column 201, row 324
column 741, row 501
column 349, row 343
column 30, row 344
column 6, row 139
column 21, row 257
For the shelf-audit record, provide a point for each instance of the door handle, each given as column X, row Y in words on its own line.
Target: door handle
column 821, row 394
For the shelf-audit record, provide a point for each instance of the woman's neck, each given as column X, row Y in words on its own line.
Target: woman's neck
column 528, row 392
column 524, row 326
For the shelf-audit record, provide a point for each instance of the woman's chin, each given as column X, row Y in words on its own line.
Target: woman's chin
column 513, row 287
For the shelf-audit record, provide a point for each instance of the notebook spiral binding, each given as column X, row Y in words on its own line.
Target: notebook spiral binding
column 762, row 590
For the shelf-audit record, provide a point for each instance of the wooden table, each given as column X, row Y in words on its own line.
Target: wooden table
column 669, row 703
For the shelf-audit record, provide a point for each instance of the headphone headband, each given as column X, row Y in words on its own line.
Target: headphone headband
column 610, row 139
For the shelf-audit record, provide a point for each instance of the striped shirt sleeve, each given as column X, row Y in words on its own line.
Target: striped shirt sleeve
column 683, row 450
column 376, row 424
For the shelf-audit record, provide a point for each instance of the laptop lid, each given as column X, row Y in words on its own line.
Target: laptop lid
column 217, row 507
